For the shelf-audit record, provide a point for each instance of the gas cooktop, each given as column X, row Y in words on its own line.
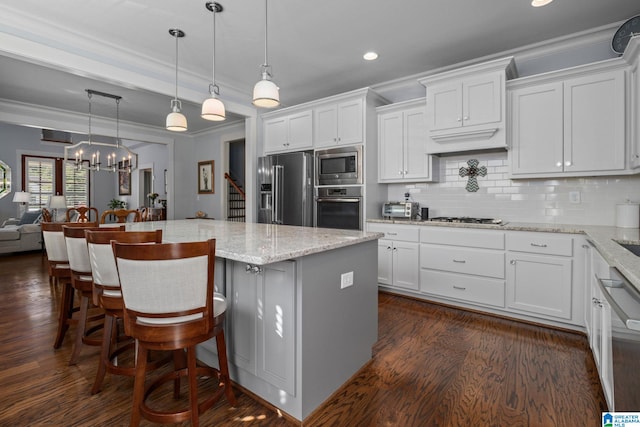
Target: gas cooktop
column 466, row 220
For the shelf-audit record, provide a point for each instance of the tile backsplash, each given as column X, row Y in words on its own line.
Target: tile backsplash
column 521, row 200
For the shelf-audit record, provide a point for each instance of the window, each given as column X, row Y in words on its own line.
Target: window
column 45, row 176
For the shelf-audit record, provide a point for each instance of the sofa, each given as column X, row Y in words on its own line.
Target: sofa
column 24, row 234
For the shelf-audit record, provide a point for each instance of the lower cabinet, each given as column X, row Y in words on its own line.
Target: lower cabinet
column 398, row 256
column 261, row 333
column 463, row 264
column 534, row 276
column 540, row 273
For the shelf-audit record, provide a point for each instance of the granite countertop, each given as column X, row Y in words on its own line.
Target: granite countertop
column 604, row 238
column 258, row 244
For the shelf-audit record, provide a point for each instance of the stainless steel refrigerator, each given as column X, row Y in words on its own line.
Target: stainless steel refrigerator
column 285, row 184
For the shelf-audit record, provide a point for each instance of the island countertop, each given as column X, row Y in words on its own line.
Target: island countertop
column 253, row 243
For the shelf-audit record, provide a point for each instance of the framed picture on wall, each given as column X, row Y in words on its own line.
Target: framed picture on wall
column 124, row 181
column 206, row 183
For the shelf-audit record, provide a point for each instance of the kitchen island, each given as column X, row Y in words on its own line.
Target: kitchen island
column 303, row 313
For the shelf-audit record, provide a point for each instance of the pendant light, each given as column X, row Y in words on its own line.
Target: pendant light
column 213, row 108
column 265, row 93
column 176, row 121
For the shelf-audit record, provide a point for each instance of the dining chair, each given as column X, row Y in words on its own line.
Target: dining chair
column 84, row 213
column 82, row 283
column 60, row 272
column 46, row 215
column 170, row 304
column 122, row 215
column 107, row 295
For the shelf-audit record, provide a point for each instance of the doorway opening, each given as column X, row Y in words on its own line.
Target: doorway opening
column 235, row 179
column 146, row 178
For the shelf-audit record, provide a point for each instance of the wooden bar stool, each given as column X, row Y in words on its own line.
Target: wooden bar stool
column 82, row 282
column 59, row 271
column 107, row 295
column 168, row 297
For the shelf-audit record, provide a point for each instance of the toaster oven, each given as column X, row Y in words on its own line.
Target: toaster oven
column 407, row 210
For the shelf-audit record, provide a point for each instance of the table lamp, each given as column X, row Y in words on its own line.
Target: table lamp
column 55, row 203
column 21, row 197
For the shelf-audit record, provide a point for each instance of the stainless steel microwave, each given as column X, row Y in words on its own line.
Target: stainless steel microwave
column 339, row 166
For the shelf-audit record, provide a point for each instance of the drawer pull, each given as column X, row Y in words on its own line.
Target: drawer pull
column 460, row 261
column 539, row 245
column 391, row 234
column 459, row 288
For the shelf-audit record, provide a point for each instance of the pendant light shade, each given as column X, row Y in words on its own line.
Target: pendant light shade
column 266, row 93
column 213, row 108
column 176, row 121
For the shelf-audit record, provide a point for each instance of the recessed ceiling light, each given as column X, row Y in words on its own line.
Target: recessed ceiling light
column 370, row 56
column 538, row 3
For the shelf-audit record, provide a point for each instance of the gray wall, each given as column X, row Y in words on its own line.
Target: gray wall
column 16, row 141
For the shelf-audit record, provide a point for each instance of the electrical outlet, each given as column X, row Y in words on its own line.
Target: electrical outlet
column 574, row 197
column 346, row 280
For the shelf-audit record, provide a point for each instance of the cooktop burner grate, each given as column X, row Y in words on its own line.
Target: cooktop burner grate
column 466, row 219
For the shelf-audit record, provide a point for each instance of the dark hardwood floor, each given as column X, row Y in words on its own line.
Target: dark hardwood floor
column 432, row 366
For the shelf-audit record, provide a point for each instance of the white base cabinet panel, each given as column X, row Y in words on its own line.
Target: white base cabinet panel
column 539, row 284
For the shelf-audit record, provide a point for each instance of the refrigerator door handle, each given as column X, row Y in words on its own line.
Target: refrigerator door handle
column 278, row 172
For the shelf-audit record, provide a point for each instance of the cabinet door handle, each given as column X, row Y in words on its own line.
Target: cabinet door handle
column 512, row 262
column 388, row 248
column 539, row 245
column 465, row 118
column 459, row 288
column 459, row 119
column 559, row 164
column 567, row 163
column 395, row 249
column 460, row 261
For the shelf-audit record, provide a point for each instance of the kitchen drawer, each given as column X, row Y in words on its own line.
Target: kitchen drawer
column 396, row 232
column 467, row 288
column 540, row 243
column 468, row 237
column 462, row 260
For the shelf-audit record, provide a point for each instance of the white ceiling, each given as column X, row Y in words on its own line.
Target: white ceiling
column 315, row 48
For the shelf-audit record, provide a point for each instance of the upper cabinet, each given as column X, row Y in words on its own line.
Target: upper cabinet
column 288, row 132
column 345, row 119
column 466, row 107
column 632, row 57
column 339, row 123
column 402, row 144
column 569, row 123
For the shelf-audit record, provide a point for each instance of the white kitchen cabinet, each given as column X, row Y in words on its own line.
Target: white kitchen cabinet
column 262, row 325
column 466, row 107
column 339, row 123
column 463, row 264
column 402, row 145
column 290, row 132
column 540, row 274
column 632, row 57
column 568, row 123
column 398, row 256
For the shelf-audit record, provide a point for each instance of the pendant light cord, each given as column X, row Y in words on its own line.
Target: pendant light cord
column 89, row 95
column 117, row 123
column 177, row 37
column 213, row 62
column 266, row 64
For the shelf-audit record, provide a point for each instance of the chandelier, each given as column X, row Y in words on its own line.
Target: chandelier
column 86, row 154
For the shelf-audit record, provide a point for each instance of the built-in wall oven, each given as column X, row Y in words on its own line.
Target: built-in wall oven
column 339, row 207
column 339, row 166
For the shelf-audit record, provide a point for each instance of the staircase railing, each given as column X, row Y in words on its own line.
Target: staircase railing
column 236, row 209
column 233, row 183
